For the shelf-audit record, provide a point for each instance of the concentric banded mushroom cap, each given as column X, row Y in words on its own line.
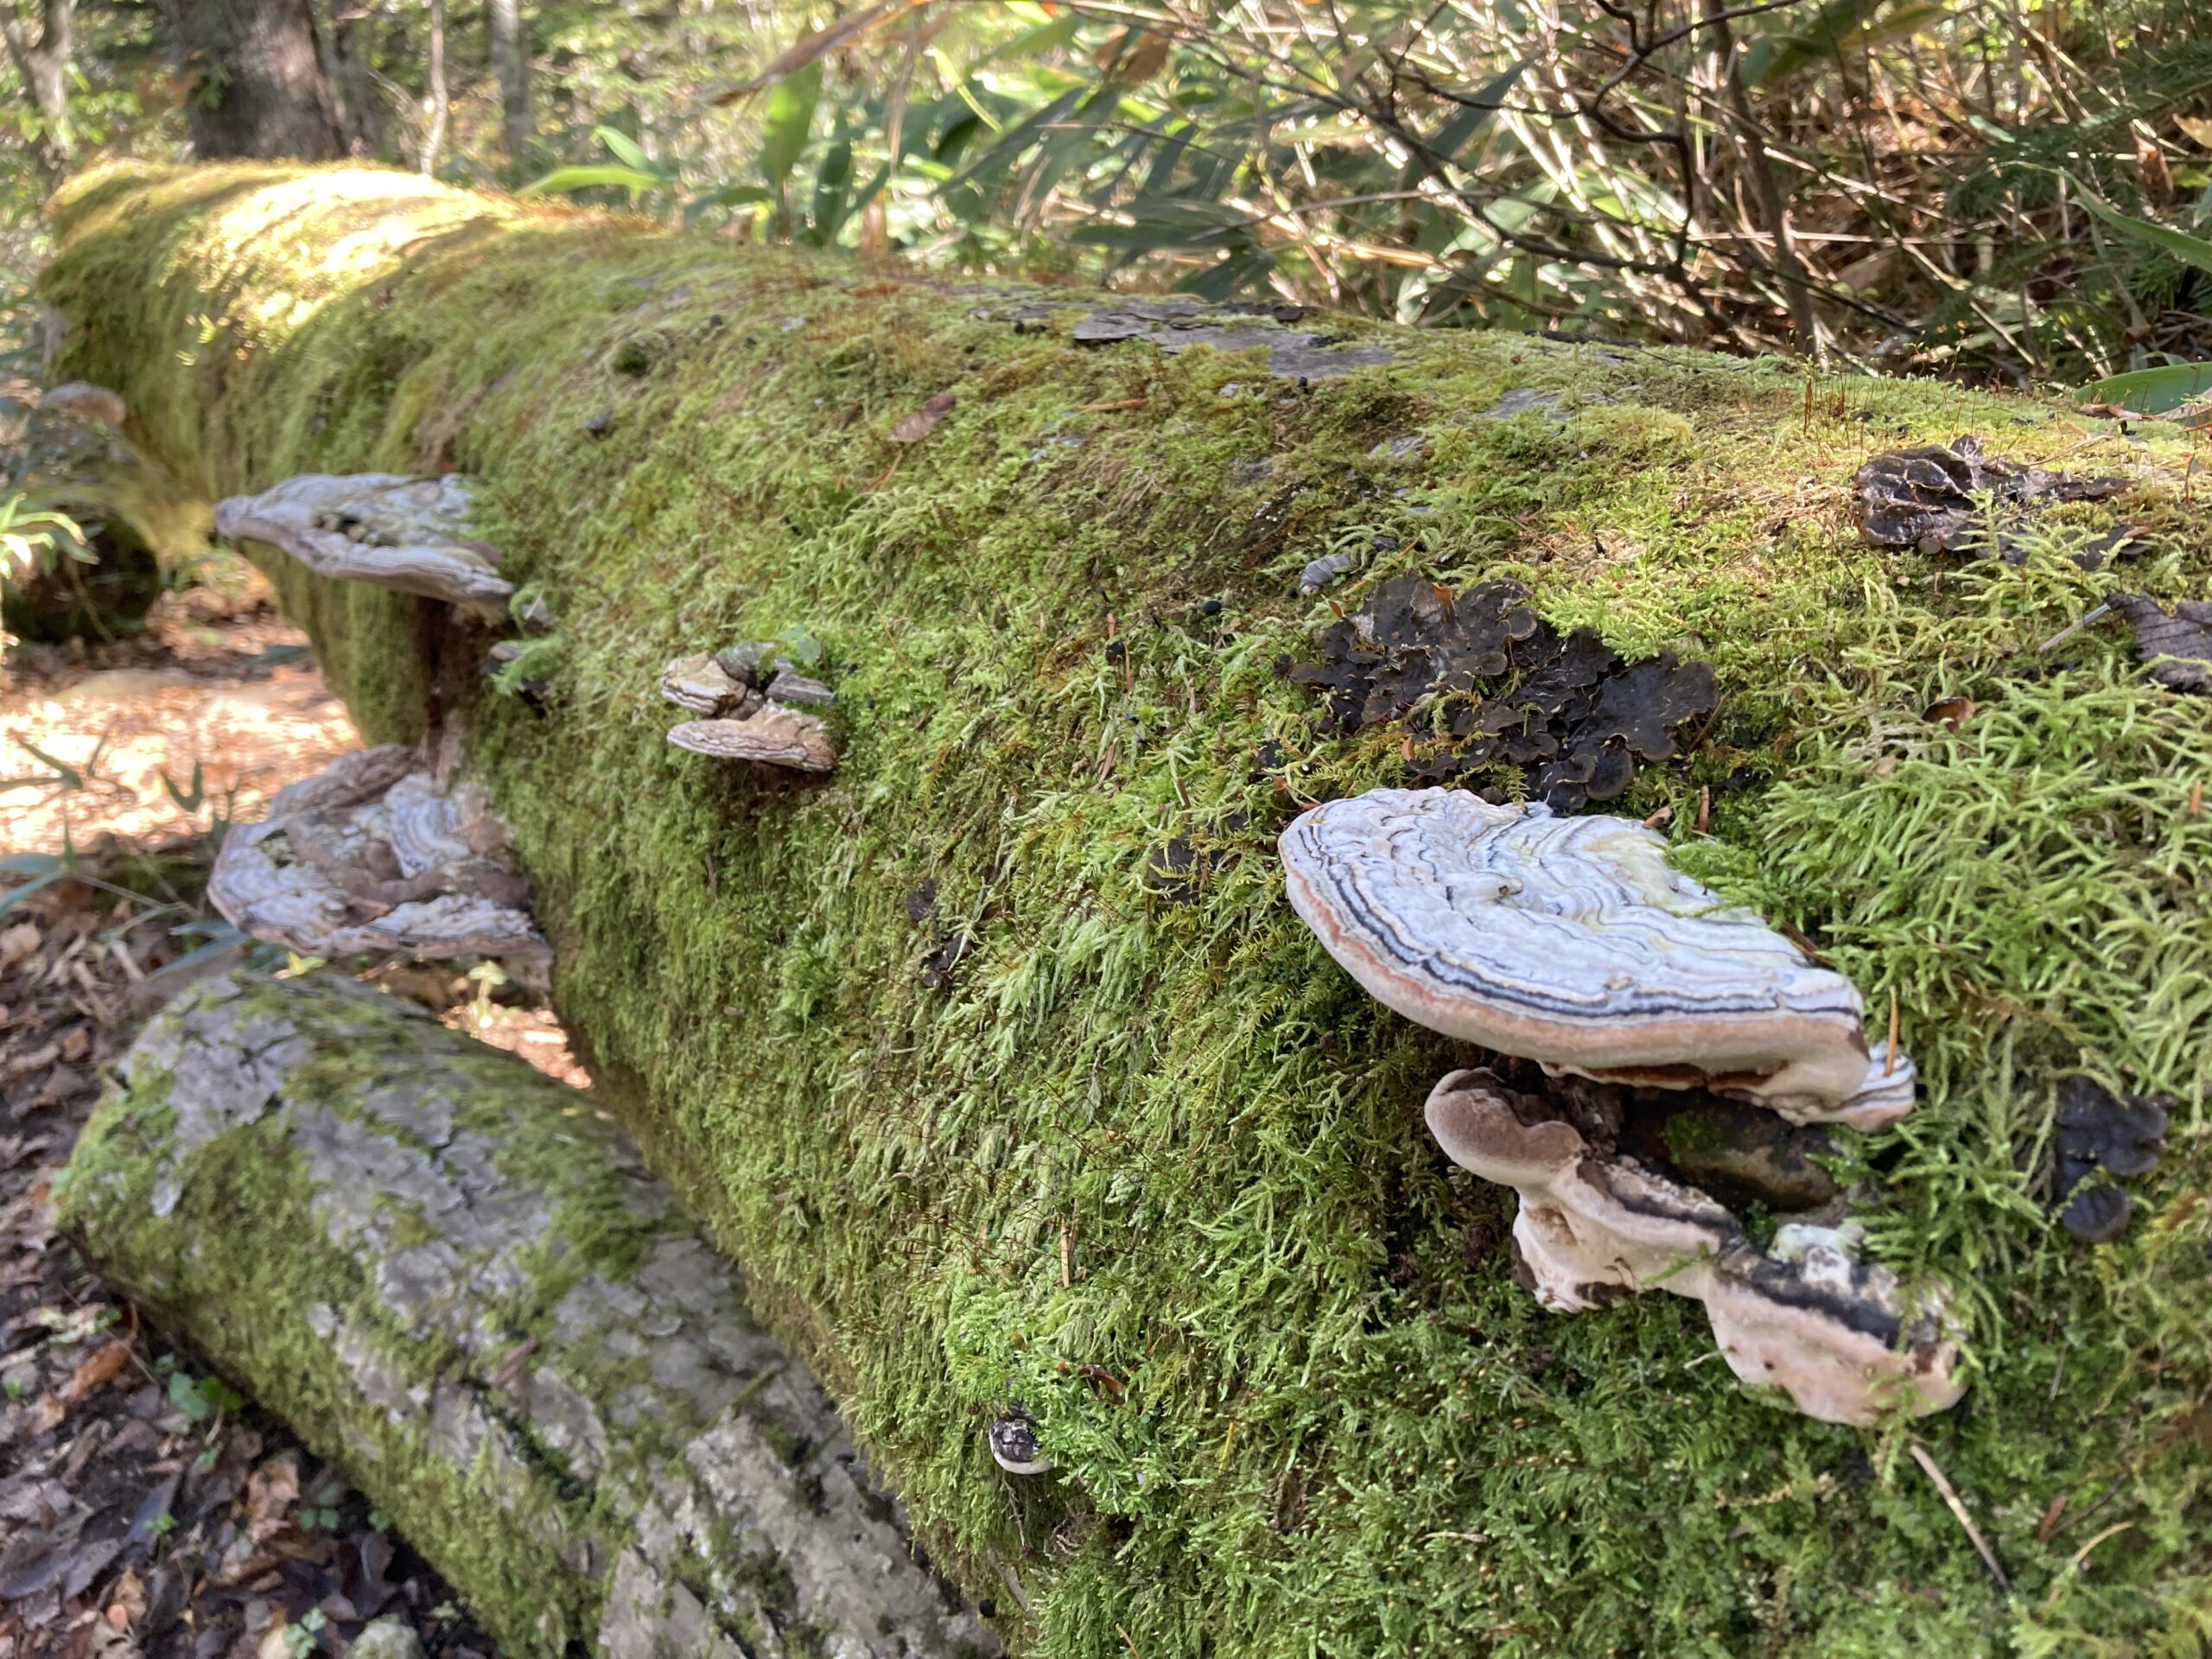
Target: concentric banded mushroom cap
column 1570, row 941
column 385, row 529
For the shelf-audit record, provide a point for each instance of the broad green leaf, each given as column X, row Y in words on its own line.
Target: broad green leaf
column 586, row 178
column 832, row 180
column 789, row 118
column 2153, row 391
column 1838, row 27
column 2189, row 250
column 627, row 150
column 28, row 863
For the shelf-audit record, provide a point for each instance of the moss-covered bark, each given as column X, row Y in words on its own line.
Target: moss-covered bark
column 448, row 1273
column 1157, row 1168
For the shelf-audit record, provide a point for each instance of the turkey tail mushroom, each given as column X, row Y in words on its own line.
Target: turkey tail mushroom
column 385, row 529
column 367, row 857
column 1570, row 941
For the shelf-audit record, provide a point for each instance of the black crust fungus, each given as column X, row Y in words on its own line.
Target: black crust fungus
column 1927, row 497
column 2098, row 1130
column 2178, row 647
column 1486, row 680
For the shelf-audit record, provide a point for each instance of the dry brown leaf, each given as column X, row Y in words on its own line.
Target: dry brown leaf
column 96, row 1371
column 270, row 1491
column 923, row 421
column 17, row 943
column 76, row 1043
column 127, row 1601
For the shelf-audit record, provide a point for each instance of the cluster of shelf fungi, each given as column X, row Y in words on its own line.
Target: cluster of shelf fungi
column 1604, row 983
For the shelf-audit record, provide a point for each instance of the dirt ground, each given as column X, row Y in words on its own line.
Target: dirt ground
column 144, row 1507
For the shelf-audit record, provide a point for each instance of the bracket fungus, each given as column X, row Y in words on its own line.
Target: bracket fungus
column 743, row 695
column 369, row 855
column 1593, row 1224
column 1570, row 941
column 385, row 529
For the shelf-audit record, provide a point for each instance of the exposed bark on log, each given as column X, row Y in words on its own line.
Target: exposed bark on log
column 456, row 1280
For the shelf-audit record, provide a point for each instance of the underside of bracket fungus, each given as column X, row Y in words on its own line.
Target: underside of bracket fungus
column 385, row 529
column 1570, row 941
column 744, row 697
column 1595, row 1224
column 370, row 856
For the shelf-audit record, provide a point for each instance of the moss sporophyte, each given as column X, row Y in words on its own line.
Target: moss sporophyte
column 1342, row 1428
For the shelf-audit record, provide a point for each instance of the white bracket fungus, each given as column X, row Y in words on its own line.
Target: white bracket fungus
column 369, row 856
column 1805, row 1317
column 1570, row 941
column 382, row 528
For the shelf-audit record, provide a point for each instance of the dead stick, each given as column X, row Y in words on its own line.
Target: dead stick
column 1951, row 1498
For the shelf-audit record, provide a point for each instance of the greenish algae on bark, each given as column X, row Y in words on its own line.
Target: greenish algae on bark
column 447, row 1273
column 1158, row 1170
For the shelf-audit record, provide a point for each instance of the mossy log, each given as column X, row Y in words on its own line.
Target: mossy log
column 448, row 1273
column 997, row 1056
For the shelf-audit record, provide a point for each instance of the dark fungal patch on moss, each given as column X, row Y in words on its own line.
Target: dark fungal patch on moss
column 1482, row 681
column 1227, row 1128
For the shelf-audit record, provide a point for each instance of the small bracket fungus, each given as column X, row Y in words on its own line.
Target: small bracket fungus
column 1805, row 1318
column 1570, row 941
column 382, row 528
column 743, row 695
column 702, row 686
column 774, row 736
column 369, row 856
column 1013, row 1440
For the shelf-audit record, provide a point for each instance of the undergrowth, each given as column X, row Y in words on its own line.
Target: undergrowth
column 1157, row 1169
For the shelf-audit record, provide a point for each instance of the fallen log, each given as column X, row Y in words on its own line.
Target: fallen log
column 451, row 1275
column 996, row 1054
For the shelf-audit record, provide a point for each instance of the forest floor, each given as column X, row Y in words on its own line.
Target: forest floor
column 144, row 1507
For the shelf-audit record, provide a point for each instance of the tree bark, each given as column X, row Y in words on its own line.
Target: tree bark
column 257, row 86
column 43, row 64
column 457, row 1282
column 434, row 139
column 510, row 50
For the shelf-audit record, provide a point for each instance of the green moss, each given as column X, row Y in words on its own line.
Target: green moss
column 1291, row 1414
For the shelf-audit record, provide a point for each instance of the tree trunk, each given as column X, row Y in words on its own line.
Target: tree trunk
column 434, row 137
column 999, row 1056
column 454, row 1280
column 256, row 83
column 510, row 50
column 43, row 66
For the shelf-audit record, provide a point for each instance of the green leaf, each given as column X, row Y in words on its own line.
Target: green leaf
column 730, row 195
column 16, row 895
column 188, row 1398
column 586, row 178
column 1481, row 107
column 832, row 180
column 28, row 863
column 628, row 150
column 2153, row 391
column 1159, row 222
column 2189, row 250
column 789, row 119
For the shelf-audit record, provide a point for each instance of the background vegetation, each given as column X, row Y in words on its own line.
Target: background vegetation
column 2016, row 191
